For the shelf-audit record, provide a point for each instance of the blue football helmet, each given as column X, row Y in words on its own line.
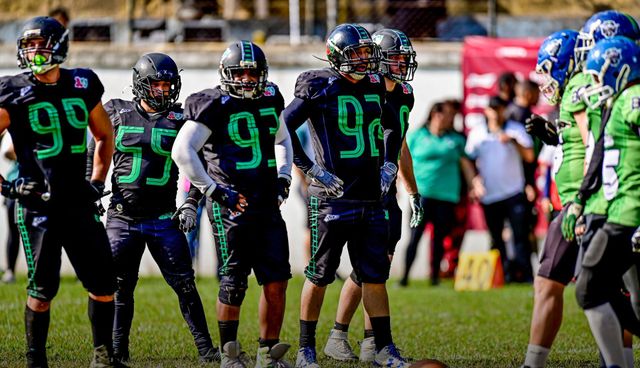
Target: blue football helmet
column 604, row 25
column 556, row 63
column 612, row 64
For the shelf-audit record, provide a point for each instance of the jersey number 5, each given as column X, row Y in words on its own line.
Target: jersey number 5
column 136, row 153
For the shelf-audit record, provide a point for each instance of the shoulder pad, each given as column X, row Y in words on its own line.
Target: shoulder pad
column 15, row 89
column 198, row 105
column 311, row 82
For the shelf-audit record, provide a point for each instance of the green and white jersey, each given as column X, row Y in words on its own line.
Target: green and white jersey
column 568, row 162
column 621, row 165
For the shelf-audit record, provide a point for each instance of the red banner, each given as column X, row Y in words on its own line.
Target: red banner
column 483, row 60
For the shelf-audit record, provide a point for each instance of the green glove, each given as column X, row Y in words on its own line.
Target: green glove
column 570, row 218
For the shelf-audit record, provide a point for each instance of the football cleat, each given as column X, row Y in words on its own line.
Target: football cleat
column 368, row 350
column 232, row 356
column 338, row 347
column 390, row 357
column 307, row 358
column 272, row 358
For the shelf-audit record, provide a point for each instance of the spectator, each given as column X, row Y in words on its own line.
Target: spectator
column 506, row 86
column 499, row 150
column 13, row 236
column 61, row 15
column 438, row 154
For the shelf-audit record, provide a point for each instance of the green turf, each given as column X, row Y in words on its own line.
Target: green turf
column 470, row 329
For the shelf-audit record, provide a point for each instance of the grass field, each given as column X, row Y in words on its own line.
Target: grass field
column 470, row 329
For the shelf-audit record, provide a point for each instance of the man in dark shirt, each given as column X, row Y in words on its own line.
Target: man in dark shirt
column 47, row 111
column 344, row 105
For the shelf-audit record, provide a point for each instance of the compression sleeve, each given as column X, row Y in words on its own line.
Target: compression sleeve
column 190, row 140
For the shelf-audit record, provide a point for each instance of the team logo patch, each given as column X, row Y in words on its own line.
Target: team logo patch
column 225, row 99
column 38, row 220
column 576, row 97
column 124, row 111
column 175, row 116
column 406, row 89
column 553, row 47
column 269, row 91
column 609, row 28
column 24, row 91
column 329, row 218
column 613, row 55
column 635, row 103
column 81, row 82
column 374, row 78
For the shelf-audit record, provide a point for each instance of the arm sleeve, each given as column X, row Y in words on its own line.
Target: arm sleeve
column 392, row 133
column 283, row 152
column 294, row 116
column 190, row 140
column 593, row 177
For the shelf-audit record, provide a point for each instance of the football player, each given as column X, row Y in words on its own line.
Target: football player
column 398, row 65
column 47, row 111
column 614, row 66
column 144, row 186
column 344, row 105
column 247, row 176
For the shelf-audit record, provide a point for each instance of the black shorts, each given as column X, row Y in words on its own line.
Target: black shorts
column 558, row 258
column 362, row 226
column 256, row 240
column 85, row 241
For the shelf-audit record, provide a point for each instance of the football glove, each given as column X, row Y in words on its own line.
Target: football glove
column 21, row 187
column 570, row 218
column 283, row 189
column 98, row 192
column 388, row 173
column 225, row 196
column 331, row 183
column 187, row 215
column 542, row 128
column 417, row 212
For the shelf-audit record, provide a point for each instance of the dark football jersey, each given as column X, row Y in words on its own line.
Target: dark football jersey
column 144, row 180
column 396, row 116
column 346, row 129
column 240, row 151
column 49, row 130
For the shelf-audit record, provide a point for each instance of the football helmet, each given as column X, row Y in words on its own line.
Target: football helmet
column 238, row 58
column 351, row 51
column 155, row 67
column 556, row 63
column 612, row 64
column 43, row 44
column 398, row 61
column 604, row 25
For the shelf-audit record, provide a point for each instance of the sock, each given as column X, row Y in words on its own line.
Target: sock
column 228, row 331
column 628, row 356
column 606, row 329
column 308, row 333
column 341, row 327
column 536, row 356
column 101, row 317
column 368, row 333
column 267, row 342
column 37, row 329
column 381, row 331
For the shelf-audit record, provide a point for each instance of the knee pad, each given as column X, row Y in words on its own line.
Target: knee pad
column 232, row 293
column 183, row 286
column 356, row 280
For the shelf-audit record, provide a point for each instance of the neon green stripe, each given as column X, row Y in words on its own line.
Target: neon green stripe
column 222, row 237
column 313, row 222
column 28, row 250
